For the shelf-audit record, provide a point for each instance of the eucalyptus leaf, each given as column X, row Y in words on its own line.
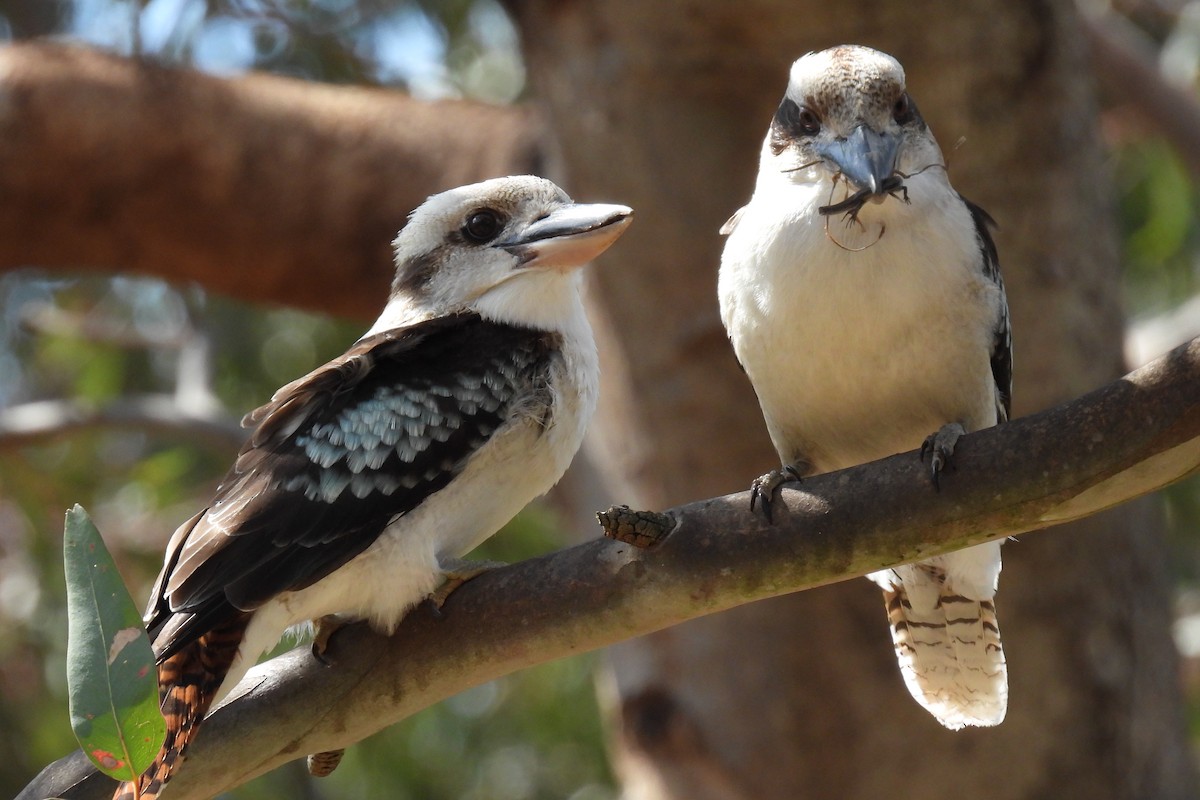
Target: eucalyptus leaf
column 112, row 680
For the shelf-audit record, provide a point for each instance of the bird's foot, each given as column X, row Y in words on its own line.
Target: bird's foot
column 940, row 446
column 456, row 572
column 764, row 487
column 323, row 628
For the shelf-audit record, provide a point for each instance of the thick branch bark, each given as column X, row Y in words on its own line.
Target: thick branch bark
column 242, row 185
column 1129, row 438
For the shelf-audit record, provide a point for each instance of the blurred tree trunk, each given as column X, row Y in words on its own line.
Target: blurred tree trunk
column 663, row 106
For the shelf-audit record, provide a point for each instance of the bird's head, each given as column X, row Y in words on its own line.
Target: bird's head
column 847, row 114
column 509, row 248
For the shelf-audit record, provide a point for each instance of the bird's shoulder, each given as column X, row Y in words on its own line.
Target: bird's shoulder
column 393, row 418
column 442, row 354
column 1002, row 348
column 984, row 225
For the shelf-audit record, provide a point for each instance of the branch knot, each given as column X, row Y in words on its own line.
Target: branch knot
column 639, row 528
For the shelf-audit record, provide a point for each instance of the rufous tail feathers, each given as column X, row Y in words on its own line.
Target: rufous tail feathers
column 188, row 681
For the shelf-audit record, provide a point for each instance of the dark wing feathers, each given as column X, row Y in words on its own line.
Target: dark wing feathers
column 338, row 454
column 1002, row 362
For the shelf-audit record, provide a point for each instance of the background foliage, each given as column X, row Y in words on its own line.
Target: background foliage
column 99, row 341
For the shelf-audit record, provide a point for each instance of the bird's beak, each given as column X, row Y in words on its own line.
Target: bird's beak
column 865, row 157
column 570, row 236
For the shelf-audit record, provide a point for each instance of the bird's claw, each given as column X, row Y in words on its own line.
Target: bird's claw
column 764, row 487
column 940, row 447
column 324, row 628
column 454, row 574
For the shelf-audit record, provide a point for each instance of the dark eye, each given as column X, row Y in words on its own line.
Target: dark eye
column 482, row 226
column 791, row 122
column 795, row 120
column 902, row 112
column 808, row 122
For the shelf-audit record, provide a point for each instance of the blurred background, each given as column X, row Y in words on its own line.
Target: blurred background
column 99, row 357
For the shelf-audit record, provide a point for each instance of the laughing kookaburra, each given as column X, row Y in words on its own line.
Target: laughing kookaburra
column 863, row 298
column 365, row 480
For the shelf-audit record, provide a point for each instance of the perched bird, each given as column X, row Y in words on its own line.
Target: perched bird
column 863, row 298
column 363, row 481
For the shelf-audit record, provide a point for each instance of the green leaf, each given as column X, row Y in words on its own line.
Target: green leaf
column 111, row 677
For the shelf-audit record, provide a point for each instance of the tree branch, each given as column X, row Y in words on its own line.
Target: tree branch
column 1124, row 60
column 49, row 420
column 1131, row 437
column 242, row 185
column 1146, row 338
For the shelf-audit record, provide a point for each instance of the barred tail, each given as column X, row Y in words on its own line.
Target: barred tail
column 188, row 681
column 950, row 656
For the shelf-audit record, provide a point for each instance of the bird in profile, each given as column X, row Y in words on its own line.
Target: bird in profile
column 363, row 482
column 863, row 297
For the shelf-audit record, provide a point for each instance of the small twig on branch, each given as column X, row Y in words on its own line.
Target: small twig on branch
column 1131, row 437
column 638, row 528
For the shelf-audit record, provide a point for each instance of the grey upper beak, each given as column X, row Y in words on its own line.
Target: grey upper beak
column 865, row 157
column 569, row 236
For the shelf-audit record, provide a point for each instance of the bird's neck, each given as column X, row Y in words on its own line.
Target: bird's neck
column 543, row 299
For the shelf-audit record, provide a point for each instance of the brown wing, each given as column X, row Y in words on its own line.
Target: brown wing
column 335, row 457
column 1002, row 355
